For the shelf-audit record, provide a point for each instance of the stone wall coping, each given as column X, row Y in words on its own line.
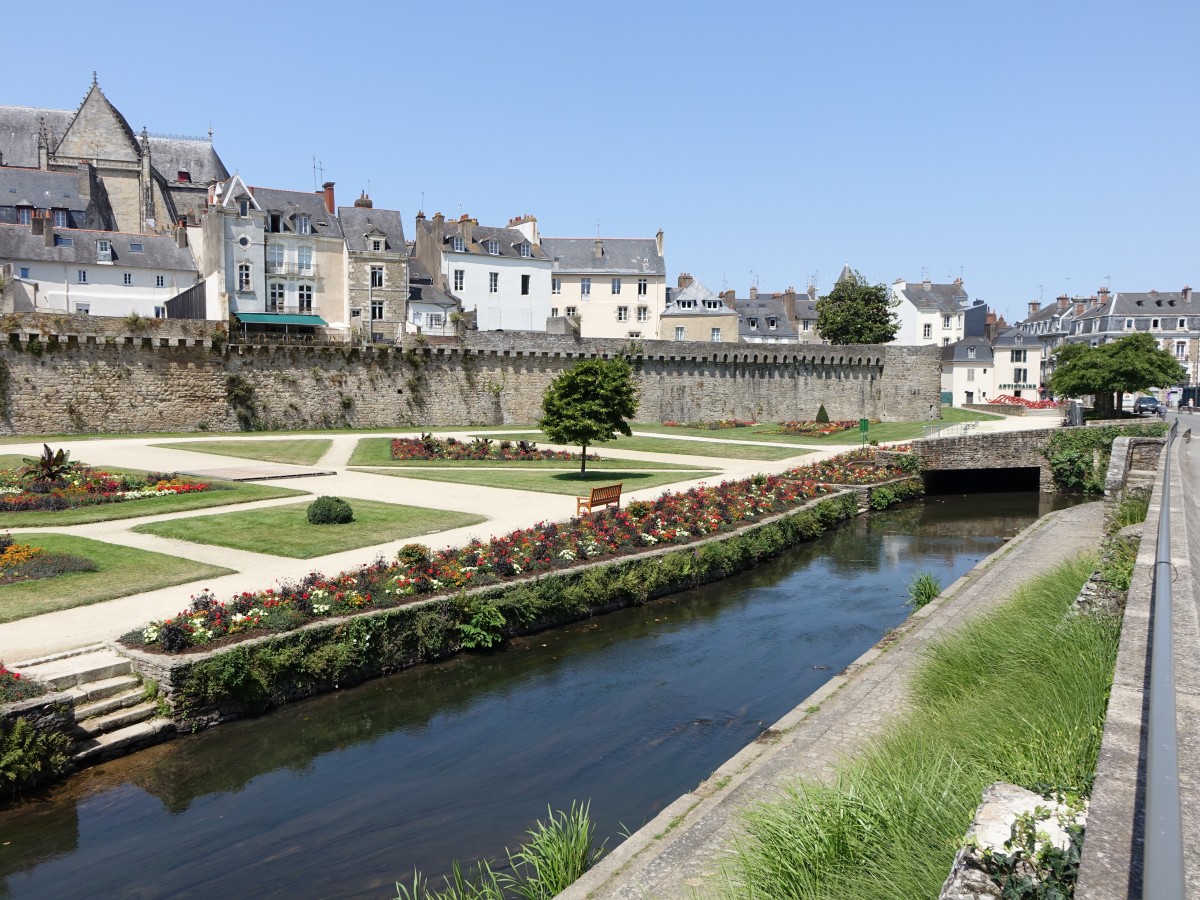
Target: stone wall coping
column 33, row 704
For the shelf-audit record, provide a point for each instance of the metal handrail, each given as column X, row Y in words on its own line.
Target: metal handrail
column 1162, row 874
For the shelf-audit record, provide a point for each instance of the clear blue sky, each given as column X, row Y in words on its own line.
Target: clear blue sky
column 1041, row 147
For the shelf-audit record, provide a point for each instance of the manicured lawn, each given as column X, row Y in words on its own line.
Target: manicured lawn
column 55, row 439
column 687, row 448
column 378, row 452
column 121, row 571
column 296, row 453
column 550, row 482
column 285, row 530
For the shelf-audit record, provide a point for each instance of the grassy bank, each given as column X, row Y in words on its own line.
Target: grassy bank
column 1018, row 696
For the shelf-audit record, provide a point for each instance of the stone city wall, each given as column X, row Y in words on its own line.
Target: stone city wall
column 62, row 374
column 1003, row 450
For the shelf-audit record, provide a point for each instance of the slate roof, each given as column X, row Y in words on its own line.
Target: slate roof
column 43, row 190
column 1014, row 337
column 421, row 288
column 196, row 156
column 1152, row 303
column 19, row 132
column 959, row 351
column 509, row 240
column 946, row 298
column 357, row 221
column 17, row 242
column 699, row 293
column 293, row 203
column 760, row 310
column 621, row 256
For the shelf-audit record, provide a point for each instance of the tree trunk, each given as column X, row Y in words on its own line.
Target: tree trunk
column 583, row 462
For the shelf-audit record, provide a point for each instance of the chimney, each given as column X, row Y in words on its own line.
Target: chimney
column 1062, row 302
column 1079, row 308
column 181, row 238
column 684, row 280
column 466, row 225
column 1034, row 307
column 789, row 304
column 1187, row 293
column 329, row 205
column 1102, row 295
column 658, row 242
column 989, row 327
column 364, row 202
column 598, row 252
column 729, row 297
column 927, row 284
column 47, row 228
column 35, row 223
column 753, row 293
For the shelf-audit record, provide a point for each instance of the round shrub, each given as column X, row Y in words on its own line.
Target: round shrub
column 330, row 511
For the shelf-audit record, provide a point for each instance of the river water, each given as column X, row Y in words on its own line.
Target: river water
column 342, row 795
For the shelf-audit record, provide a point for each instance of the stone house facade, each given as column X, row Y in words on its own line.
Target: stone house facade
column 377, row 278
column 694, row 313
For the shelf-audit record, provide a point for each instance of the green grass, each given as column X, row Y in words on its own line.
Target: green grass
column 296, row 453
column 54, row 439
column 285, row 530
column 549, row 482
column 121, row 571
column 378, row 452
column 1018, row 695
column 687, row 448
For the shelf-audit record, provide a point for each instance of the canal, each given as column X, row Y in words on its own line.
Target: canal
column 344, row 794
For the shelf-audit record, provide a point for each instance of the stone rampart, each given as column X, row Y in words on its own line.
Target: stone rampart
column 1002, row 450
column 80, row 374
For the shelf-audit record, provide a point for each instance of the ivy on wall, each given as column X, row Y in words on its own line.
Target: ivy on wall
column 1079, row 456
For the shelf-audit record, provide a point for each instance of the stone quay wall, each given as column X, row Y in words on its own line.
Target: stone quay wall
column 1003, row 450
column 65, row 374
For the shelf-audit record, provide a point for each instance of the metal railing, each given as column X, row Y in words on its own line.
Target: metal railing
column 291, row 268
column 1162, row 875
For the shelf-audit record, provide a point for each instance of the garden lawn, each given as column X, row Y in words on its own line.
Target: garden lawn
column 378, row 452
column 732, row 450
column 548, row 482
column 285, row 530
column 295, row 453
column 121, row 571
column 1018, row 695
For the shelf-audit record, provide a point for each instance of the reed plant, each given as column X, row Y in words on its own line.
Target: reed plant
column 1018, row 695
column 923, row 588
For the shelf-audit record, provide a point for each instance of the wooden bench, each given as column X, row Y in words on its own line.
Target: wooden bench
column 608, row 495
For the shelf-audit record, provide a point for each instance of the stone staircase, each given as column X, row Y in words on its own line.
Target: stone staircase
column 112, row 714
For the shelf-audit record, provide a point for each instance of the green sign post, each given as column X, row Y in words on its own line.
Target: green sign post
column 862, row 427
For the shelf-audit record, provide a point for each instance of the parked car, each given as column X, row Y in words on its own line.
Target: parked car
column 1145, row 406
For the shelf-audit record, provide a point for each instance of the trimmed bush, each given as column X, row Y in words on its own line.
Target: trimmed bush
column 330, row 511
column 822, row 416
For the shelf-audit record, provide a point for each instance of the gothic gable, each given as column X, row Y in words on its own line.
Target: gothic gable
column 98, row 131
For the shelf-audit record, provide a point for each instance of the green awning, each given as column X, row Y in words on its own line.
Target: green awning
column 279, row 319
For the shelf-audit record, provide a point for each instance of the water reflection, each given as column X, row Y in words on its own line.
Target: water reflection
column 342, row 794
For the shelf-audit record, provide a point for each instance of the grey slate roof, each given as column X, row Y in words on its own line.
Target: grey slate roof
column 508, row 239
column 960, row 351
column 196, row 156
column 1014, row 337
column 357, row 221
column 43, row 190
column 292, row 203
column 621, row 256
column 19, row 132
column 17, row 242
column 421, row 288
column 753, row 316
column 947, row 298
column 698, row 293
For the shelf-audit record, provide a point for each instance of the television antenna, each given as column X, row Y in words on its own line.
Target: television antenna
column 318, row 167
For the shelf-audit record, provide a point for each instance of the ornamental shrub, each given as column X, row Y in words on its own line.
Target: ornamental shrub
column 822, row 416
column 330, row 511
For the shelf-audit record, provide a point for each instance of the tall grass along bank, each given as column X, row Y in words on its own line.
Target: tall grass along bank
column 1017, row 696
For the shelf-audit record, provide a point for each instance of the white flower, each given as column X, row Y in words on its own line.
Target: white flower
column 321, row 608
column 150, row 633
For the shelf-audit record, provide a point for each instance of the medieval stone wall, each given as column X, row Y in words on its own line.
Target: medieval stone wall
column 82, row 374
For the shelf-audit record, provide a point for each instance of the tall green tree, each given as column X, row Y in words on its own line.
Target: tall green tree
column 1110, row 371
column 856, row 312
column 589, row 402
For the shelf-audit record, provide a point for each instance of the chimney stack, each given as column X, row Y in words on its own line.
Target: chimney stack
column 329, row 205
column 1079, row 308
column 753, row 293
column 789, row 304
column 989, row 326
column 1034, row 307
column 658, row 242
column 181, row 238
column 364, row 202
column 1187, row 293
column 729, row 296
column 35, row 223
column 1062, row 302
column 1102, row 295
column 47, row 228
column 466, row 225
column 684, row 280
column 598, row 251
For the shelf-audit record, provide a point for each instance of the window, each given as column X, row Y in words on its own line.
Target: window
column 970, row 374
column 945, row 342
column 304, row 260
column 1019, row 355
column 970, row 353
column 1181, row 349
column 622, row 313
column 679, row 332
column 160, row 312
column 275, row 258
column 243, row 276
column 303, row 225
column 376, row 276
column 103, row 251
column 1182, row 326
column 643, row 314
column 946, row 321
column 1129, row 324
column 752, row 322
column 183, row 175
column 493, row 282
column 376, row 245
column 712, row 304
column 927, row 331
column 416, row 317
column 457, row 244
column 805, row 325
column 275, row 296
column 60, row 241
column 60, row 219
column 556, row 285
column 554, row 312
column 715, row 335
column 136, row 247
column 83, row 308
column 634, row 334
column 275, row 223
column 772, row 323
column 642, row 287
column 81, row 276
column 585, row 287
column 492, row 247
column 434, row 320
column 244, row 208
column 572, row 310
column 525, row 285
column 304, row 295
column 1154, row 323
column 526, row 251
column 24, row 272
column 160, row 280
column 616, row 285
column 24, row 215
column 1020, row 376
column 376, row 310
column 459, row 274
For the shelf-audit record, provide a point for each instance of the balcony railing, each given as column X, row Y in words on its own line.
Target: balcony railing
column 289, row 310
column 292, row 268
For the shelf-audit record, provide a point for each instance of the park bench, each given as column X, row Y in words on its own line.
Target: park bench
column 608, row 495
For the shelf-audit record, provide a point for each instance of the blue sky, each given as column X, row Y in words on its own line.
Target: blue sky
column 1033, row 148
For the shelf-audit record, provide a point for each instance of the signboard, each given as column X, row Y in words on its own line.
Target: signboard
column 862, row 428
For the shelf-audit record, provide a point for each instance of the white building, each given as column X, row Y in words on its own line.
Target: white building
column 937, row 314
column 976, row 370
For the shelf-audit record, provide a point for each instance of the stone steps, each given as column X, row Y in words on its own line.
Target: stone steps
column 115, row 743
column 122, row 717
column 90, row 664
column 133, row 695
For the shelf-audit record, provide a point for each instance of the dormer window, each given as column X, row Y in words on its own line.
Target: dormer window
column 772, row 322
column 752, row 322
column 184, row 176
column 687, row 304
column 970, row 353
column 244, row 208
column 24, row 215
column 1018, row 339
column 493, row 247
column 103, row 251
column 376, row 244
column 275, row 225
column 458, row 245
column 60, row 219
column 303, row 225
column 526, row 251
column 712, row 304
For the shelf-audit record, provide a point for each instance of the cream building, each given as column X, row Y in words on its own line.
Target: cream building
column 614, row 287
column 694, row 313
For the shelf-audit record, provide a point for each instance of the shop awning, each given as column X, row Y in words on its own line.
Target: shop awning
column 279, row 319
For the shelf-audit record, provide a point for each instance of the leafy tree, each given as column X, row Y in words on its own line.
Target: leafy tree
column 856, row 312
column 1131, row 364
column 589, row 402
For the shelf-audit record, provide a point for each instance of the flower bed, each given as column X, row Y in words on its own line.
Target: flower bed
column 416, row 572
column 1009, row 400
column 85, row 486
column 427, row 447
column 13, row 687
column 21, row 562
column 854, row 468
column 818, row 429
column 712, row 426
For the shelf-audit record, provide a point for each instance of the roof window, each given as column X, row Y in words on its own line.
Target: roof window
column 183, row 175
column 136, row 247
